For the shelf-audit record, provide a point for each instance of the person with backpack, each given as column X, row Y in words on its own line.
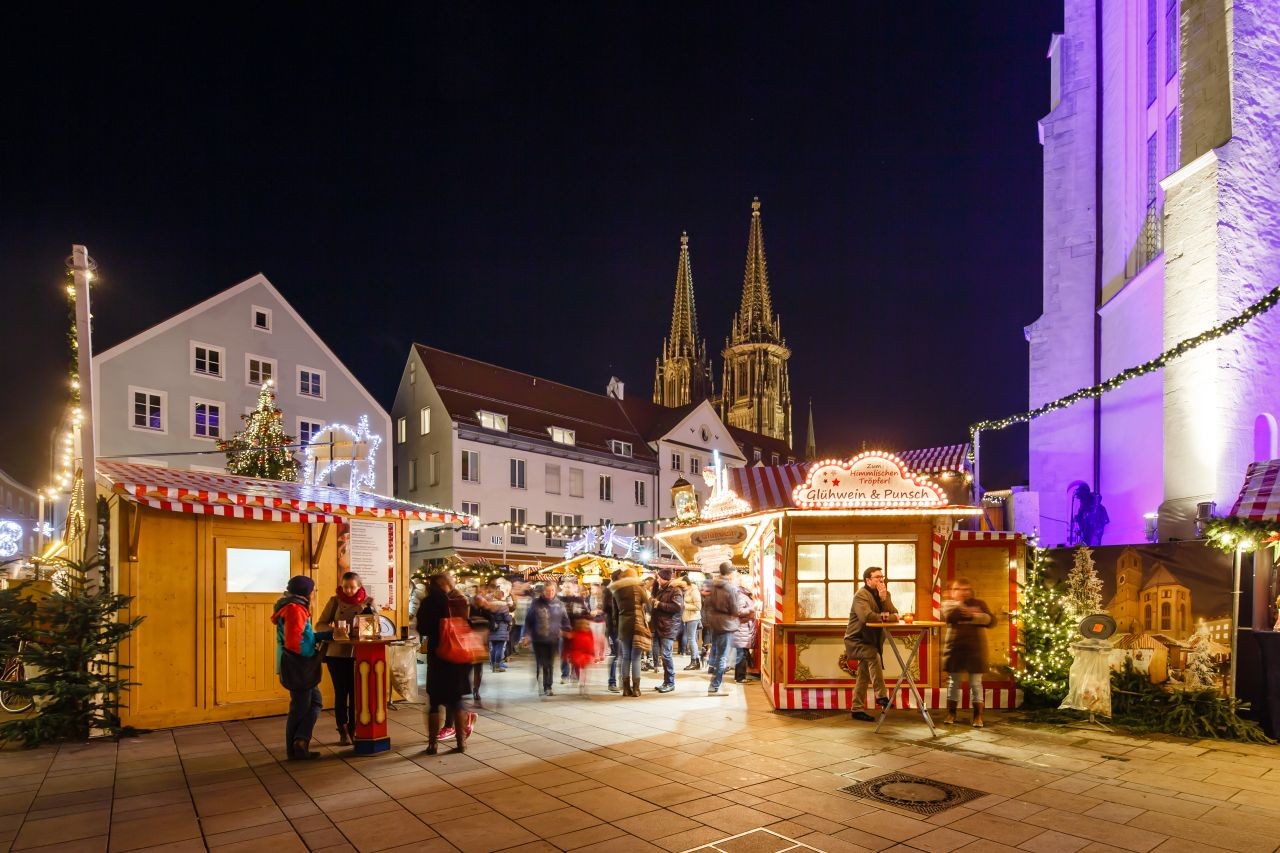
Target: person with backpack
column 720, row 613
column 545, row 626
column 299, row 652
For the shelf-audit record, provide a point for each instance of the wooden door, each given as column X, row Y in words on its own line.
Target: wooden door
column 250, row 576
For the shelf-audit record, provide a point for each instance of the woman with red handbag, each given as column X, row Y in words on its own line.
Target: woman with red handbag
column 442, row 621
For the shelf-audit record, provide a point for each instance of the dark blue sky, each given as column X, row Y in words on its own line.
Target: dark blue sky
column 513, row 187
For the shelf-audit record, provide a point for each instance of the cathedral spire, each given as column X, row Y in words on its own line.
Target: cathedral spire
column 810, row 445
column 755, row 320
column 683, row 372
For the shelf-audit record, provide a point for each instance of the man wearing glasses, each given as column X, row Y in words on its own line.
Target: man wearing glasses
column 864, row 644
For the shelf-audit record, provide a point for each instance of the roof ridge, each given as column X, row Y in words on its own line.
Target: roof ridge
column 525, row 407
column 512, row 371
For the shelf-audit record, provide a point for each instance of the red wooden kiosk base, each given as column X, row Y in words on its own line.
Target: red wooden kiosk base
column 372, row 689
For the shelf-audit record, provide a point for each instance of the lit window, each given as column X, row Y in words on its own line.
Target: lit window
column 402, row 430
column 829, row 574
column 206, row 360
column 491, row 420
column 606, row 487
column 259, row 370
column 311, row 382
column 206, row 420
column 560, row 435
column 424, row 420
column 148, row 409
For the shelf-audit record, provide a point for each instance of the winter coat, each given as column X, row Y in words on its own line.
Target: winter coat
column 292, row 618
column 447, row 682
column 720, row 606
column 522, row 608
column 965, row 646
column 668, row 610
column 748, row 620
column 692, row 602
column 499, row 623
column 546, row 620
column 860, row 641
column 337, row 610
column 631, row 597
column 610, row 611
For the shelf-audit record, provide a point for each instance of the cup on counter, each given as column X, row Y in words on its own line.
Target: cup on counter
column 908, row 618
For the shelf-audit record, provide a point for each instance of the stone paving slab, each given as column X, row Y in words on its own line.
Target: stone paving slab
column 678, row 772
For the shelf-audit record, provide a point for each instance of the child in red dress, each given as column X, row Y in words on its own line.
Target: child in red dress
column 580, row 651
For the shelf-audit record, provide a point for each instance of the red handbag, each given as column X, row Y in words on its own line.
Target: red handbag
column 460, row 644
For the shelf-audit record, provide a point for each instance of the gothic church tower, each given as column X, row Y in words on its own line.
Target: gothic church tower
column 756, row 389
column 683, row 373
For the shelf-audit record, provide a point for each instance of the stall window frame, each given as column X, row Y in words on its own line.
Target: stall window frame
column 856, row 539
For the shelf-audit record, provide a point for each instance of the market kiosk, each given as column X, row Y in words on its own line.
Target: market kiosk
column 805, row 553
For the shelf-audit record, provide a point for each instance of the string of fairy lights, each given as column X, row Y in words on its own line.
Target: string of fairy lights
column 1262, row 306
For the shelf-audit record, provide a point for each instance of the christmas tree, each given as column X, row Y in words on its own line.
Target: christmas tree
column 1048, row 629
column 1084, row 587
column 261, row 449
column 1200, row 671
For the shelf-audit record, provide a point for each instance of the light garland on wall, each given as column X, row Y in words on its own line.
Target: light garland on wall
column 1262, row 306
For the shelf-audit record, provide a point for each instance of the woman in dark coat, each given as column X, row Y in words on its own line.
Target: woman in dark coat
column 447, row 682
column 634, row 636
column 965, row 648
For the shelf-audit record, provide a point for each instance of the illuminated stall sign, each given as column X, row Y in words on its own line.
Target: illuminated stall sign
column 870, row 480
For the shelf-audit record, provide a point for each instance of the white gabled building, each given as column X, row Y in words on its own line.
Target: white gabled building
column 184, row 383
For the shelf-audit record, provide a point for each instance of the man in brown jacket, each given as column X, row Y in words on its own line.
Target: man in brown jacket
column 864, row 644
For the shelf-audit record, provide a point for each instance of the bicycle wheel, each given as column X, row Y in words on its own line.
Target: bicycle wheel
column 9, row 700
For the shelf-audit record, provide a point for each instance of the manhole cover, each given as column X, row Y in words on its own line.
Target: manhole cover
column 914, row 793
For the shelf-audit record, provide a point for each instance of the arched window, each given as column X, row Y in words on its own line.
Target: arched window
column 1182, row 617
column 1166, row 616
column 1264, row 437
column 1146, row 618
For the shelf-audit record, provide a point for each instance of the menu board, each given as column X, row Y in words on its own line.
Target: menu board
column 368, row 548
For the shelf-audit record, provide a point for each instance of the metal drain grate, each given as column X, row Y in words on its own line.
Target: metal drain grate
column 914, row 793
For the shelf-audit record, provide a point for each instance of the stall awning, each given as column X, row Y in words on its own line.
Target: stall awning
column 205, row 493
column 1260, row 495
column 770, row 487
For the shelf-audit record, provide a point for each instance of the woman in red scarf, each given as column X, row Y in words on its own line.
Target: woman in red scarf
column 349, row 601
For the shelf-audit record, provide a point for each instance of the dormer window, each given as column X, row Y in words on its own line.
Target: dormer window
column 492, row 420
column 620, row 448
column 560, row 435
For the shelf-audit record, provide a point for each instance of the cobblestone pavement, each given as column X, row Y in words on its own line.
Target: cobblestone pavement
column 673, row 772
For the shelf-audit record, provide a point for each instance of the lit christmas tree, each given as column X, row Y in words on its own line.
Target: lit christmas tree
column 1048, row 629
column 261, row 449
column 1084, row 587
column 1200, row 671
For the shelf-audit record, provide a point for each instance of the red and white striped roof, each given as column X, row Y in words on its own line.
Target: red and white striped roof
column 1260, row 495
column 204, row 493
column 770, row 487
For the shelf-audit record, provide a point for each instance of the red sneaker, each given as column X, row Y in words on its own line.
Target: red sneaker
column 471, row 724
column 446, row 733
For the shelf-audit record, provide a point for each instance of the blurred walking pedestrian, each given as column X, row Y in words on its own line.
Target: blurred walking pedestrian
column 546, row 626
column 668, row 611
column 447, row 682
column 964, row 651
column 634, row 636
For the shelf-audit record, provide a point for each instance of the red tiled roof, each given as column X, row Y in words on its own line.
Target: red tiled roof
column 532, row 405
column 203, row 493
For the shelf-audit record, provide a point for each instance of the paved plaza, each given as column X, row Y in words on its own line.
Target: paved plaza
column 674, row 773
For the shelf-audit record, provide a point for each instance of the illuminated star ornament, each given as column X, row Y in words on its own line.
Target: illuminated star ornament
column 10, row 538
column 337, row 445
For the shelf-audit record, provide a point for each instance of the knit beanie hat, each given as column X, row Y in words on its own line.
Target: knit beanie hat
column 301, row 585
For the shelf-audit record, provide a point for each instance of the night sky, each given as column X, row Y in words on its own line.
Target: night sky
column 512, row 187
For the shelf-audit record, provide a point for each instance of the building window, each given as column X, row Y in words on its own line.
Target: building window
column 828, row 575
column 606, row 487
column 402, row 430
column 560, row 435
column 424, row 420
column 695, row 465
column 470, row 466
column 413, row 475
column 773, row 459
column 620, row 448
column 1171, row 143
column 1171, row 40
column 640, row 496
column 260, row 318
column 206, row 419
column 1166, row 616
column 755, row 455
column 1151, row 52
column 206, row 360
column 311, row 382
column 307, row 430
column 517, row 474
column 552, row 479
column 259, row 370
column 518, row 536
column 472, row 509
column 433, row 468
column 147, row 409
column 677, row 462
column 575, row 482
column 490, row 420
column 559, row 527
column 1152, row 183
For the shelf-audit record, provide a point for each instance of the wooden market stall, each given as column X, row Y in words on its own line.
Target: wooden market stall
column 805, row 537
column 206, row 556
